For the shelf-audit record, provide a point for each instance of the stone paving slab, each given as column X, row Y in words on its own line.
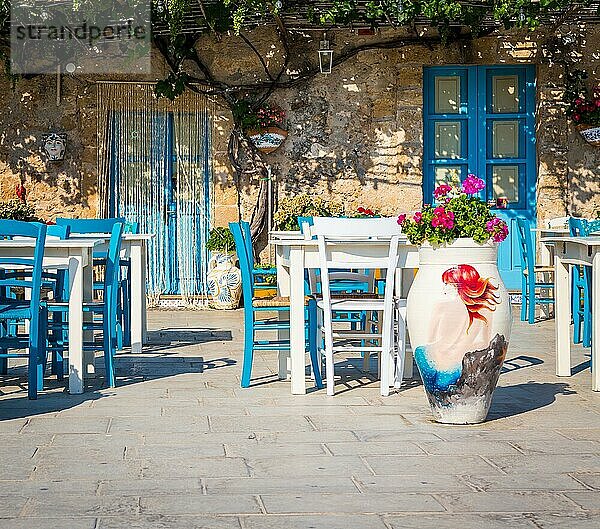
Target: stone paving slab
column 42, row 523
column 169, row 522
column 178, row 444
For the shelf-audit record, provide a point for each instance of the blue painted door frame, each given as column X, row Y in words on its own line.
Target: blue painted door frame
column 474, row 118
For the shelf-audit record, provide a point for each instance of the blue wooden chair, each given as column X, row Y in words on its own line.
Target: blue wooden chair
column 529, row 283
column 105, row 226
column 34, row 309
column 581, row 290
column 254, row 306
column 105, row 310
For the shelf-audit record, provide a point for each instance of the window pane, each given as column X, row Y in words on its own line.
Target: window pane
column 505, row 93
column 447, row 175
column 448, row 139
column 447, row 95
column 505, row 139
column 506, row 182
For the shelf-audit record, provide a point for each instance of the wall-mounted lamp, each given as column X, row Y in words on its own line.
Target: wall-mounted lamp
column 325, row 55
column 55, row 144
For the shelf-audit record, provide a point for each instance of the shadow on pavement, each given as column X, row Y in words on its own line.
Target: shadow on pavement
column 521, row 398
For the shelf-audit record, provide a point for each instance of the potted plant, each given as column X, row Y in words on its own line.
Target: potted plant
column 264, row 126
column 583, row 108
column 224, row 277
column 15, row 209
column 303, row 205
column 459, row 316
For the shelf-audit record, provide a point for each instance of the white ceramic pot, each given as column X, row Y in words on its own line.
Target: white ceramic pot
column 224, row 281
column 459, row 319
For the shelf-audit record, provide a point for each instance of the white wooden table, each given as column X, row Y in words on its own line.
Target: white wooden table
column 294, row 254
column 74, row 255
column 546, row 256
column 133, row 247
column 575, row 251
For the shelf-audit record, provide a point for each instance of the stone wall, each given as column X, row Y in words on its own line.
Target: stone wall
column 355, row 135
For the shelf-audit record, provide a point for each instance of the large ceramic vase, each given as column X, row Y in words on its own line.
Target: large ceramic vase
column 459, row 320
column 224, row 281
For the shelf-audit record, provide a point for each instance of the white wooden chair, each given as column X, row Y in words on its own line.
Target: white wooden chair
column 335, row 237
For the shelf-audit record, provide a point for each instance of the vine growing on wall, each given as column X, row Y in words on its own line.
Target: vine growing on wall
column 451, row 19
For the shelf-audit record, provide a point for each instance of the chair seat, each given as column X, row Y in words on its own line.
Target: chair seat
column 14, row 310
column 276, row 301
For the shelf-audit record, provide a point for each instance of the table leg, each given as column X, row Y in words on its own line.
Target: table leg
column 563, row 317
column 297, row 342
column 596, row 323
column 76, row 372
column 143, row 298
column 88, row 317
column 138, row 297
column 283, row 289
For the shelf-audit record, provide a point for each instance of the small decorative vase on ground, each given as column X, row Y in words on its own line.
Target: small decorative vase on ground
column 590, row 133
column 459, row 319
column 269, row 139
column 224, row 281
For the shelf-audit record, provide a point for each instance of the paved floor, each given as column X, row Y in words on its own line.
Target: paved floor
column 179, row 445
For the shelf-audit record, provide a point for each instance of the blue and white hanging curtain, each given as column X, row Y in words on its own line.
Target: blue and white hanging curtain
column 155, row 169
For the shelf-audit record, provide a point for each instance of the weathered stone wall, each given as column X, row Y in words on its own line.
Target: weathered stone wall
column 355, row 135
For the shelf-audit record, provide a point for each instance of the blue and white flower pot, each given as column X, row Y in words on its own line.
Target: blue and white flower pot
column 224, row 281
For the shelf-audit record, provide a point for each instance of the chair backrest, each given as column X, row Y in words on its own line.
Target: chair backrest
column 331, row 230
column 90, row 225
column 243, row 247
column 111, row 272
column 25, row 230
column 578, row 227
column 304, row 223
column 526, row 248
column 56, row 232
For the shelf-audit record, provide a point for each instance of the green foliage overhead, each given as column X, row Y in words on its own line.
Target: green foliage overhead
column 223, row 15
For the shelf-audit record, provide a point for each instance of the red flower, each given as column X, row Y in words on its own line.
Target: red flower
column 576, row 117
column 401, row 218
column 417, row 217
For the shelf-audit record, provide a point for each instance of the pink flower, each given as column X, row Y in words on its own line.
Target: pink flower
column 442, row 191
column 497, row 229
column 417, row 217
column 579, row 101
column 401, row 218
column 472, row 185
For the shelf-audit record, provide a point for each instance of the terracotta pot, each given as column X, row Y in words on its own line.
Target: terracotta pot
column 590, row 133
column 269, row 139
column 459, row 319
column 224, row 281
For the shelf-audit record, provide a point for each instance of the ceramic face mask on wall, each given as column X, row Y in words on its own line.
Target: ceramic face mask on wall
column 55, row 145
